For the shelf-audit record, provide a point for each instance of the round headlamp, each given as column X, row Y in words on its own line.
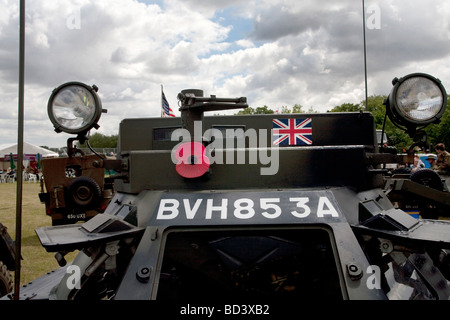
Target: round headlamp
column 74, row 107
column 416, row 100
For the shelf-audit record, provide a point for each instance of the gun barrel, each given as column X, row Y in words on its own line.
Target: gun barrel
column 219, row 100
column 189, row 100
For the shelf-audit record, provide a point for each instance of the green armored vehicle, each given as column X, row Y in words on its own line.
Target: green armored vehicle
column 281, row 206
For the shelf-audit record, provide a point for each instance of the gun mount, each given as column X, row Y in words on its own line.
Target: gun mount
column 193, row 106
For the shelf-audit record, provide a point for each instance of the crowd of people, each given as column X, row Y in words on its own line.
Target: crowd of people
column 441, row 163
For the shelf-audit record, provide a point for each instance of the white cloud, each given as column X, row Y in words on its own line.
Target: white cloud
column 293, row 52
column 245, row 43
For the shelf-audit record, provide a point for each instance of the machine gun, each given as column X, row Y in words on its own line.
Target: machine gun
column 193, row 105
column 192, row 161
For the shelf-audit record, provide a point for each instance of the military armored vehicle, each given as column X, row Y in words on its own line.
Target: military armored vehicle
column 74, row 188
column 7, row 261
column 269, row 207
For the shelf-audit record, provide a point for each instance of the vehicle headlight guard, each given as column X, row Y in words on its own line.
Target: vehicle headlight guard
column 74, row 108
column 416, row 100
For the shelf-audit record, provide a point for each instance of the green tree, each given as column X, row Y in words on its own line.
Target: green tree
column 258, row 110
column 248, row 110
column 311, row 110
column 397, row 137
column 285, row 109
column 440, row 132
column 98, row 140
column 263, row 110
column 297, row 108
column 347, row 107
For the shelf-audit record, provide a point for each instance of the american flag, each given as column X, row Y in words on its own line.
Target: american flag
column 166, row 111
column 292, row 132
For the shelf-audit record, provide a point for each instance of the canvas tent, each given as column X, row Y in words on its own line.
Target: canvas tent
column 29, row 153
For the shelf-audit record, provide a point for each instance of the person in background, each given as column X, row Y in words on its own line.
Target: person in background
column 417, row 165
column 443, row 159
column 431, row 160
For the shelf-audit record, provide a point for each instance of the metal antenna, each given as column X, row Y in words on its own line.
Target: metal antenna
column 365, row 51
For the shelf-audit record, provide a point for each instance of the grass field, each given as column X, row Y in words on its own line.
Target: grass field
column 36, row 261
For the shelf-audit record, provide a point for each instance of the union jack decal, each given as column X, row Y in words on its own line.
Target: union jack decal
column 292, row 132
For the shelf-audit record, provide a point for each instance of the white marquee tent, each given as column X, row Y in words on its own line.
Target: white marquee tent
column 28, row 150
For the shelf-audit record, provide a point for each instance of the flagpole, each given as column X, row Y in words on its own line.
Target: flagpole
column 365, row 51
column 161, row 101
column 19, row 172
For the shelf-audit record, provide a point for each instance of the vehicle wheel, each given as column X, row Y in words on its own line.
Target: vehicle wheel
column 84, row 192
column 429, row 178
column 5, row 280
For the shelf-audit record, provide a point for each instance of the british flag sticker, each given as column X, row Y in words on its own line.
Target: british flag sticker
column 292, row 132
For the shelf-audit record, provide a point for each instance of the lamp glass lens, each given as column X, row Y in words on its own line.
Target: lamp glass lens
column 419, row 99
column 74, row 107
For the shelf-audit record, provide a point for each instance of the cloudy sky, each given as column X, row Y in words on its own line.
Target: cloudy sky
column 274, row 52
